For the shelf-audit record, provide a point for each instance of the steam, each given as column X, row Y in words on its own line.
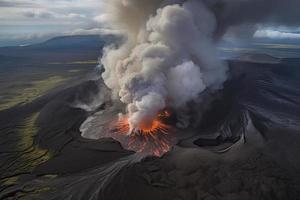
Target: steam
column 168, row 59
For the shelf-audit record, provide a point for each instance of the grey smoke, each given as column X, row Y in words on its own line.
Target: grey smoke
column 169, row 57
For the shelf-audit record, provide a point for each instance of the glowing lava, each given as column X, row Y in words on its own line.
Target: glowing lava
column 154, row 139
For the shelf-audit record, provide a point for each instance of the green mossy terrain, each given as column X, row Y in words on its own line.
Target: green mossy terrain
column 27, row 155
column 84, row 62
column 33, row 155
column 26, row 93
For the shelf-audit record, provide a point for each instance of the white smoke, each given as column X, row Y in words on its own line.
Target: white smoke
column 168, row 59
column 189, row 79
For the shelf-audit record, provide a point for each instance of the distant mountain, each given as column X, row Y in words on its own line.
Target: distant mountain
column 259, row 58
column 58, row 49
column 277, row 41
column 82, row 41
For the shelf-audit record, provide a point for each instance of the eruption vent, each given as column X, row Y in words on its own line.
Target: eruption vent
column 167, row 60
column 155, row 139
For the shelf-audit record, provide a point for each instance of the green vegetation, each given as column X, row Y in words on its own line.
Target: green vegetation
column 23, row 95
column 74, row 71
column 50, row 176
column 32, row 155
column 9, row 181
column 85, row 62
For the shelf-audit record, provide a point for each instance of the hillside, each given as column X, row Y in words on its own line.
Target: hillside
column 58, row 49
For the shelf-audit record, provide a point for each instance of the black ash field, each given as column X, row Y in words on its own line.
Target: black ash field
column 56, row 112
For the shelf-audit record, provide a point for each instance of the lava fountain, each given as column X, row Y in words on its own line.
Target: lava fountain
column 149, row 139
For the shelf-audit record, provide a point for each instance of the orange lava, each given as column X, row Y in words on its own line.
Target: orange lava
column 154, row 139
column 156, row 126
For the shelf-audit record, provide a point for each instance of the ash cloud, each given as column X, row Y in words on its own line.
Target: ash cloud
column 169, row 56
column 168, row 59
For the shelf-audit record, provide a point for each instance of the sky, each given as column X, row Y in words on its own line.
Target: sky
column 24, row 22
column 27, row 21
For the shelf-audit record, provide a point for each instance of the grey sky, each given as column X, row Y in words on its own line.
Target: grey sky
column 29, row 21
column 24, row 21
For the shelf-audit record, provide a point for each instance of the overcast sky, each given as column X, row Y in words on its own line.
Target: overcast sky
column 28, row 21
column 24, row 21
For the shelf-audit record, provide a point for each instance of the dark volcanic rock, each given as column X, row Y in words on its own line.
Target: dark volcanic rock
column 43, row 155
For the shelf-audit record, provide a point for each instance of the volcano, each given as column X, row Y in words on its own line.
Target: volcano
column 165, row 115
column 244, row 145
column 154, row 139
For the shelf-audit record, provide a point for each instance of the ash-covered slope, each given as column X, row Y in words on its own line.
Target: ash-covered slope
column 244, row 147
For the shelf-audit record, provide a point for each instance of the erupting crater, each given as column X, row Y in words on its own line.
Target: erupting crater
column 154, row 139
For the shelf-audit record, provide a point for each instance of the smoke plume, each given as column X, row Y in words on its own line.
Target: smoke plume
column 169, row 58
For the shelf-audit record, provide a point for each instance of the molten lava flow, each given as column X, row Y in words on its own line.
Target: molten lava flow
column 155, row 127
column 154, row 139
